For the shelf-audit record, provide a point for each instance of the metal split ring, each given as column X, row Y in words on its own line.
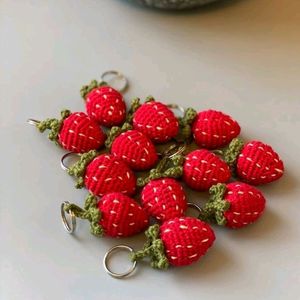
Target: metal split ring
column 70, row 228
column 108, row 255
column 196, row 207
column 33, row 122
column 62, row 160
column 112, row 77
column 176, row 106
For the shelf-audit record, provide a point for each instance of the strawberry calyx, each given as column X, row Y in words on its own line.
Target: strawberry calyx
column 53, row 125
column 168, row 167
column 135, row 104
column 231, row 153
column 116, row 131
column 214, row 209
column 93, row 85
column 78, row 169
column 185, row 122
column 90, row 212
column 153, row 248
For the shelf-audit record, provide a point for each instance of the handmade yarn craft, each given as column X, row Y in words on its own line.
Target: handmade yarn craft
column 75, row 132
column 115, row 215
column 206, row 154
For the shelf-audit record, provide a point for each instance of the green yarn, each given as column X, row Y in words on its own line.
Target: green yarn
column 231, row 153
column 185, row 125
column 114, row 132
column 167, row 167
column 135, row 104
column 53, row 125
column 78, row 169
column 149, row 99
column 88, row 88
column 214, row 209
column 90, row 213
column 153, row 248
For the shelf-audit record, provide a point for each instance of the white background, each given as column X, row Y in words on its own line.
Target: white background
column 241, row 57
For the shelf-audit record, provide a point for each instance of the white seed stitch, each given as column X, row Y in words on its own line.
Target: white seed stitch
column 131, row 224
column 249, row 159
column 95, row 178
column 173, row 257
column 130, row 214
column 278, row 170
column 115, row 225
column 195, row 227
column 258, row 165
column 158, row 128
column 71, row 131
column 194, row 255
column 203, row 133
column 236, row 213
column 116, row 201
column 174, row 197
column 228, row 123
column 178, row 246
column 108, row 179
column 112, row 212
column 127, row 174
column 240, row 192
column 183, row 227
column 189, row 246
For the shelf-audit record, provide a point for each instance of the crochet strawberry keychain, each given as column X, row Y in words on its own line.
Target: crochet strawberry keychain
column 177, row 242
column 114, row 215
column 102, row 174
column 233, row 205
column 75, row 132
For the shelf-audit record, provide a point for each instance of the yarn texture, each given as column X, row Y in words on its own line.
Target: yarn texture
column 115, row 215
column 75, row 132
column 135, row 149
column 213, row 129
column 202, row 169
column 255, row 162
column 156, row 121
column 105, row 105
column 164, row 199
column 121, row 215
column 103, row 174
column 234, row 205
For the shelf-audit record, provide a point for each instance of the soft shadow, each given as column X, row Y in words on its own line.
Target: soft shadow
column 216, row 261
column 206, row 8
column 263, row 228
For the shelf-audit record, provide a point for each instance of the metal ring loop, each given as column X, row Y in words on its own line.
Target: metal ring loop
column 62, row 160
column 108, row 255
column 176, row 106
column 33, row 122
column 196, row 207
column 116, row 75
column 69, row 228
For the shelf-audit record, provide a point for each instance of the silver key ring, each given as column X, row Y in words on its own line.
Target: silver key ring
column 108, row 255
column 112, row 76
column 196, row 207
column 176, row 106
column 70, row 228
column 62, row 160
column 33, row 122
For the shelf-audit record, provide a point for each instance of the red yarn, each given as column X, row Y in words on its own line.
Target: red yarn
column 213, row 129
column 185, row 240
column 121, row 216
column 157, row 121
column 202, row 169
column 80, row 134
column 258, row 163
column 107, row 174
column 164, row 199
column 135, row 149
column 106, row 106
column 246, row 204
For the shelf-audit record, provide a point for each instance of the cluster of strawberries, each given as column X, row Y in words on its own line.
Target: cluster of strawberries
column 114, row 143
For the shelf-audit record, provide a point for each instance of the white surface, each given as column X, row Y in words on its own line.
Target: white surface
column 241, row 57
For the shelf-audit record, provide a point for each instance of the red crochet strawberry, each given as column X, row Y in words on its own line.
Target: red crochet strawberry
column 234, row 205
column 115, row 215
column 255, row 162
column 156, row 121
column 133, row 147
column 103, row 174
column 75, row 132
column 104, row 104
column 177, row 242
column 213, row 129
column 202, row 169
column 164, row 199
